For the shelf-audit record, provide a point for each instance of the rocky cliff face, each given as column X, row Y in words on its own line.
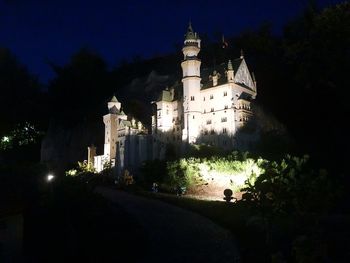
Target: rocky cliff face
column 63, row 147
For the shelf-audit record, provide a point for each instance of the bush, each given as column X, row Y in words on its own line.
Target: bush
column 232, row 170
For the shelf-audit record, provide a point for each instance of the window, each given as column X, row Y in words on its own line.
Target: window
column 212, row 132
column 192, row 98
column 212, row 109
column 204, row 111
column 225, row 93
column 211, row 96
column 193, row 117
column 205, row 132
column 224, row 119
column 203, row 98
column 226, row 107
column 224, row 130
column 208, row 121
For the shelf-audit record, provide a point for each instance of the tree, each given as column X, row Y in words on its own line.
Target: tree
column 20, row 99
column 80, row 87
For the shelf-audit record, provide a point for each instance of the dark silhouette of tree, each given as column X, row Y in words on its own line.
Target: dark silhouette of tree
column 80, row 89
column 20, row 98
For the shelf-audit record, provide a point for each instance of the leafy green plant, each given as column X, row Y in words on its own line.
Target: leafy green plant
column 81, row 169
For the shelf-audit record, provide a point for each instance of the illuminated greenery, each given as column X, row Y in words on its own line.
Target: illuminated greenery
column 290, row 185
column 82, row 169
column 22, row 135
column 232, row 170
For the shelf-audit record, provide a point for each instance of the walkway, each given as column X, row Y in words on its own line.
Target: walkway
column 175, row 234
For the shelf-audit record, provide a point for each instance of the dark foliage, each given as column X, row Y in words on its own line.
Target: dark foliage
column 20, row 99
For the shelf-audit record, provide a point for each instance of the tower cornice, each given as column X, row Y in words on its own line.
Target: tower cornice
column 193, row 77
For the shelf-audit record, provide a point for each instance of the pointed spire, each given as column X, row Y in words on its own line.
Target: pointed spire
column 190, row 33
column 242, row 54
column 114, row 99
column 229, row 65
column 224, row 42
column 190, row 29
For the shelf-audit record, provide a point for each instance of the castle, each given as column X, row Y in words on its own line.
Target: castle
column 209, row 106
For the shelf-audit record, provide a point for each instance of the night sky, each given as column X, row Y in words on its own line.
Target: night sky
column 37, row 31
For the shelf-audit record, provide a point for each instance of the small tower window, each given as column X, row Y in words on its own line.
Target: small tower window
column 226, row 107
column 193, row 117
column 224, row 130
column 225, row 93
column 224, row 119
column 212, row 109
column 208, row 121
column 203, row 98
column 192, row 98
column 211, row 96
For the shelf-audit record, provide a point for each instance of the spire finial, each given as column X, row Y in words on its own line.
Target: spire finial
column 242, row 54
column 229, row 65
column 190, row 29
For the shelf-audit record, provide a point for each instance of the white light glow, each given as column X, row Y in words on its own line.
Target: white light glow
column 50, row 177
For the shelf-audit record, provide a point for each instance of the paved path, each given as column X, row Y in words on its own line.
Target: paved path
column 175, row 234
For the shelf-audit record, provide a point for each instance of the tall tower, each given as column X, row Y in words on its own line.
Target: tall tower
column 111, row 124
column 191, row 86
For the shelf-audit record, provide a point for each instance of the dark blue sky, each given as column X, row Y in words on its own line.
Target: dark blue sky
column 41, row 30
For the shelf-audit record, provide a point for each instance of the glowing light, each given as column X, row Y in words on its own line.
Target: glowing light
column 50, row 177
column 72, row 172
column 5, row 139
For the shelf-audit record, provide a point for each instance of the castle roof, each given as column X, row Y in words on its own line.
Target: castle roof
column 190, row 35
column 165, row 95
column 245, row 96
column 220, row 69
column 126, row 123
column 114, row 110
column 114, row 99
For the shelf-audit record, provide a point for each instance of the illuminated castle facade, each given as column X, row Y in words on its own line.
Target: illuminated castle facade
column 209, row 107
column 126, row 141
